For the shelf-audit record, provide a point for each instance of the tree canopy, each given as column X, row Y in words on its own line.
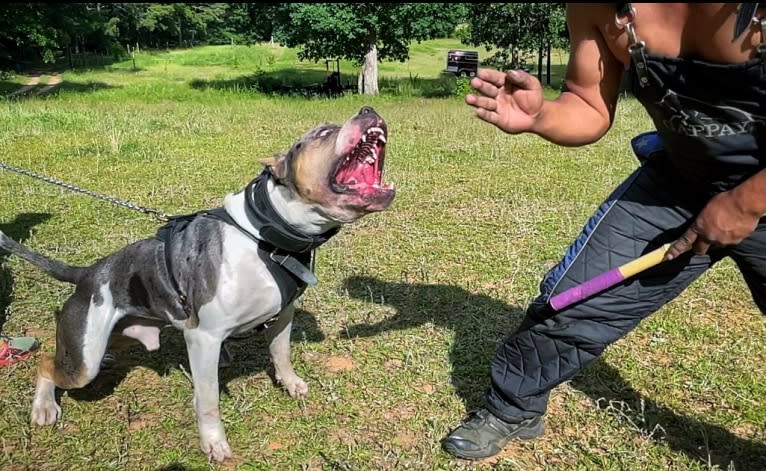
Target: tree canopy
column 364, row 33
column 516, row 30
column 40, row 30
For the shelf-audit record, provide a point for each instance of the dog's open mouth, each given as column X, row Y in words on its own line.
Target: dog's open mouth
column 361, row 170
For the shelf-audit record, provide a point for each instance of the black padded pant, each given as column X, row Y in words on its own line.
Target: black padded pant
column 650, row 208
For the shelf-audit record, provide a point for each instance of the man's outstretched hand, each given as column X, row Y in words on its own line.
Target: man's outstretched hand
column 510, row 100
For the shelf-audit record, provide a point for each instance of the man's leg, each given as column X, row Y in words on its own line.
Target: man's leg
column 551, row 347
column 750, row 257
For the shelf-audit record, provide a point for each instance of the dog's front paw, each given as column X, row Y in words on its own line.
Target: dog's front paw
column 295, row 386
column 45, row 412
column 215, row 446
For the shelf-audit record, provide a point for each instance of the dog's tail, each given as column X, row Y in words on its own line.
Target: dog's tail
column 58, row 270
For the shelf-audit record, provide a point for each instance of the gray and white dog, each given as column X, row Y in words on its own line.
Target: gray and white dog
column 220, row 272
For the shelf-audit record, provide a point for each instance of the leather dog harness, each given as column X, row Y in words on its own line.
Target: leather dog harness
column 285, row 251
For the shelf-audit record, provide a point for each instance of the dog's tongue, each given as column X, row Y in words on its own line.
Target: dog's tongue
column 359, row 174
column 369, row 174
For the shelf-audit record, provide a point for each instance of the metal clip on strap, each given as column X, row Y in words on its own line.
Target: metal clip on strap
column 636, row 50
column 623, row 18
column 762, row 46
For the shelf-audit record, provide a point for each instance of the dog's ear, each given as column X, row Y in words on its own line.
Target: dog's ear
column 277, row 165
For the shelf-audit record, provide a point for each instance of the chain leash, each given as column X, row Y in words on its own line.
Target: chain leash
column 110, row 199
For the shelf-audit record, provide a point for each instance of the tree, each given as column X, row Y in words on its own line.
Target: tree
column 252, row 22
column 517, row 30
column 43, row 28
column 363, row 33
column 183, row 23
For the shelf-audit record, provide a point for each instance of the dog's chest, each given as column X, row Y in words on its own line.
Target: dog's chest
column 247, row 292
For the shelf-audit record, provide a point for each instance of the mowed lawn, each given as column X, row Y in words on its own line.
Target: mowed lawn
column 396, row 339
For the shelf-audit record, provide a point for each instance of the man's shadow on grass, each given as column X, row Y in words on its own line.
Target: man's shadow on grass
column 19, row 229
column 479, row 321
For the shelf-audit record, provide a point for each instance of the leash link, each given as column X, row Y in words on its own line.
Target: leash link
column 110, row 199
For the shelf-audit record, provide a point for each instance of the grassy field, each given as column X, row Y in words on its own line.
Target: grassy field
column 396, row 339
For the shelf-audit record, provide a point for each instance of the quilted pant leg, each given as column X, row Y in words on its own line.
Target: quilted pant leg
column 647, row 210
column 750, row 257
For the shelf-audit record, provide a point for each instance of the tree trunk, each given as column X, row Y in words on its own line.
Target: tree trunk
column 540, row 52
column 367, row 82
column 548, row 65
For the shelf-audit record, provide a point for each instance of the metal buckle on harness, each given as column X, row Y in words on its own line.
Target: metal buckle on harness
column 280, row 262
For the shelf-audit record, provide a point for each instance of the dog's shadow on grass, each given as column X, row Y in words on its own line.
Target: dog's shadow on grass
column 249, row 353
column 19, row 229
column 479, row 321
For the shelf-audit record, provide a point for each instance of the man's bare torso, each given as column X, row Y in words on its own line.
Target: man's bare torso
column 702, row 31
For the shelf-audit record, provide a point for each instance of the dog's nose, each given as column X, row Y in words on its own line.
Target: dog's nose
column 367, row 110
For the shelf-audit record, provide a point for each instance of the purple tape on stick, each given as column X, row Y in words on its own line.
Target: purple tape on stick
column 588, row 288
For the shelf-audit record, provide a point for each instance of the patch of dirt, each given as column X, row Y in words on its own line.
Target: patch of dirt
column 142, row 421
column 337, row 364
column 426, row 388
column 276, row 445
column 34, row 87
column 52, row 86
column 400, row 413
column 344, row 438
column 407, row 440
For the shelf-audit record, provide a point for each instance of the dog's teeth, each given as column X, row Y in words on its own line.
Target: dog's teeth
column 364, row 137
column 370, row 159
column 382, row 138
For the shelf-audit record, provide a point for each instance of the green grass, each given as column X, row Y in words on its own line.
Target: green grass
column 396, row 339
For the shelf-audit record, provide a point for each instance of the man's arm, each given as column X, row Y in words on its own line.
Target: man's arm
column 750, row 195
column 585, row 111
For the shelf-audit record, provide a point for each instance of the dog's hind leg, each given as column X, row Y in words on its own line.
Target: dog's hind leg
column 204, row 349
column 82, row 331
column 278, row 336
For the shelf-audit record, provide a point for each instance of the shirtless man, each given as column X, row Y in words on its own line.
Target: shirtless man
column 701, row 186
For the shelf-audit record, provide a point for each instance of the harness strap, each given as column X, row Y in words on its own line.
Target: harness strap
column 166, row 233
column 745, row 16
column 283, row 258
column 292, row 263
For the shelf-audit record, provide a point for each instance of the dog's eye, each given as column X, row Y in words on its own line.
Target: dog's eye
column 325, row 132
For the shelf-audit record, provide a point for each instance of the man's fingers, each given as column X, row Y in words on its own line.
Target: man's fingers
column 521, row 79
column 494, row 77
column 488, row 116
column 484, row 87
column 481, row 102
column 701, row 246
column 683, row 244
